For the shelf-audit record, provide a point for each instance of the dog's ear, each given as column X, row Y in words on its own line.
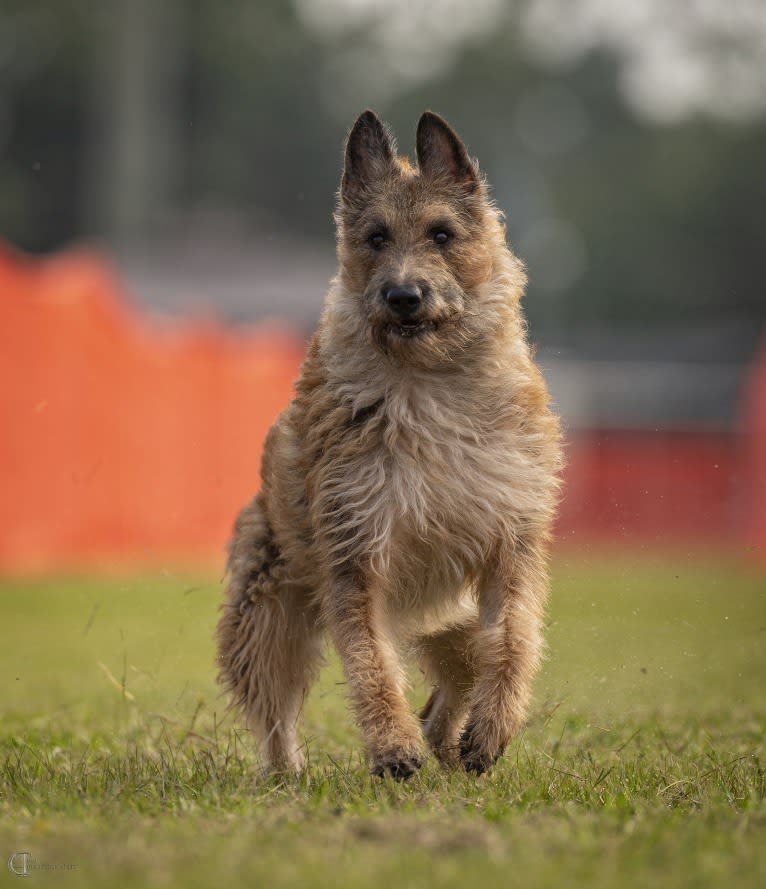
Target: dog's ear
column 370, row 150
column 441, row 152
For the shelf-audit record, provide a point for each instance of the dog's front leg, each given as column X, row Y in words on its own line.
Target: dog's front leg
column 512, row 599
column 355, row 617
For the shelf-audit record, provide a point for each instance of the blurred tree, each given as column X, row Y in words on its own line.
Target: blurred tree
column 117, row 118
column 134, row 147
column 44, row 52
column 257, row 133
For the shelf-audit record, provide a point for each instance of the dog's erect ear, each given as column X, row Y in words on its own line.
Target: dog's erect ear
column 441, row 152
column 370, row 150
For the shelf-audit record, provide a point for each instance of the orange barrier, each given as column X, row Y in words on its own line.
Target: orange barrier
column 755, row 454
column 122, row 439
column 125, row 441
column 656, row 487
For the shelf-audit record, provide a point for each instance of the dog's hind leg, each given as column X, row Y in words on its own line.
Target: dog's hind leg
column 268, row 641
column 447, row 661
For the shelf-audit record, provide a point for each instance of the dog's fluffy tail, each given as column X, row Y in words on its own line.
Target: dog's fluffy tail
column 252, row 564
column 268, row 640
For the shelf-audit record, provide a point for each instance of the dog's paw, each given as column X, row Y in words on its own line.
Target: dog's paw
column 398, row 764
column 475, row 754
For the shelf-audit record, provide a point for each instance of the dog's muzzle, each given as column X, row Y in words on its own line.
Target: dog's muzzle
column 405, row 302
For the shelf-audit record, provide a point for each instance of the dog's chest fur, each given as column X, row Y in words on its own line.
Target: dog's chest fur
column 429, row 475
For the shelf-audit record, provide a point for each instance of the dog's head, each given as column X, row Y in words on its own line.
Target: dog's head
column 419, row 246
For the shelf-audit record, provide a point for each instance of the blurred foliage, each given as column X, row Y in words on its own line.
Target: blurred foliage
column 645, row 223
column 44, row 53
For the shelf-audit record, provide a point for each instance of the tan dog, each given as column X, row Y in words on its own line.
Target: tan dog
column 409, row 489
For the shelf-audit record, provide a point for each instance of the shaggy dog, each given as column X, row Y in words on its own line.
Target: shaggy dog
column 408, row 490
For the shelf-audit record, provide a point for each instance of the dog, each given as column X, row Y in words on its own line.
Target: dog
column 409, row 489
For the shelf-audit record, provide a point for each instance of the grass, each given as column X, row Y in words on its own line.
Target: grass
column 642, row 764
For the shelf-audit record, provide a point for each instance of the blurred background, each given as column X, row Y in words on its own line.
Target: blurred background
column 167, row 176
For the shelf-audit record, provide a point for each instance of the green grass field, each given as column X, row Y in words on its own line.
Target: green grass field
column 642, row 765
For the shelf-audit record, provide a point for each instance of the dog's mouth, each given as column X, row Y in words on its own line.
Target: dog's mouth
column 411, row 329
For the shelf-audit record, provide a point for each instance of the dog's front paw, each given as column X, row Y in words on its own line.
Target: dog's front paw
column 397, row 763
column 476, row 753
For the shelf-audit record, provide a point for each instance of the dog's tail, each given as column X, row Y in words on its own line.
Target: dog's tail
column 268, row 641
column 253, row 569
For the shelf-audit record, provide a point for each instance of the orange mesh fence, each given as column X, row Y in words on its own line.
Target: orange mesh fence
column 123, row 439
column 755, row 455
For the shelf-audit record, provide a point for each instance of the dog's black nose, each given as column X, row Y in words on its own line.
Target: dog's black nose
column 405, row 301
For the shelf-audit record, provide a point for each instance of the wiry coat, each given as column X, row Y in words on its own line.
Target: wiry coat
column 409, row 489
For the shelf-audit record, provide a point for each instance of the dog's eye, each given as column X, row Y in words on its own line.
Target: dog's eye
column 377, row 241
column 441, row 237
